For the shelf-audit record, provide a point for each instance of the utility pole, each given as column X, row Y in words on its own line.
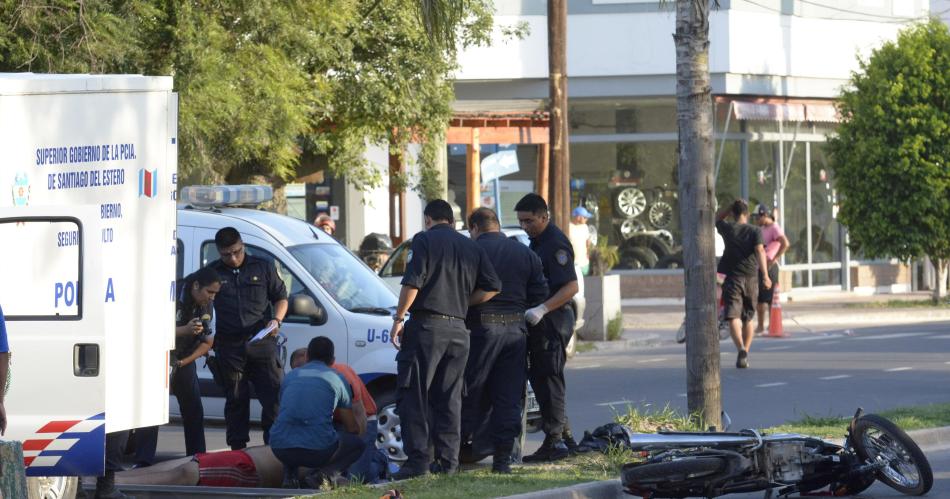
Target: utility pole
column 696, row 195
column 560, row 202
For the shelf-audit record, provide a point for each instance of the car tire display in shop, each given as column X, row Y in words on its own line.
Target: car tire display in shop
column 654, row 243
column 660, row 214
column 666, row 236
column 630, row 227
column 630, row 201
column 637, row 257
column 673, row 261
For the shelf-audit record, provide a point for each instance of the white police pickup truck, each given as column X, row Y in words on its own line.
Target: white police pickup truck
column 332, row 292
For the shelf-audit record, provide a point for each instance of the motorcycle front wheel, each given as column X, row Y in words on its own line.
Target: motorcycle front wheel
column 907, row 470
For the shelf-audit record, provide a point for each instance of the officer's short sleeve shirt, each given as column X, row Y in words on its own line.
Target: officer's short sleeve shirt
column 446, row 267
column 557, row 257
column 246, row 294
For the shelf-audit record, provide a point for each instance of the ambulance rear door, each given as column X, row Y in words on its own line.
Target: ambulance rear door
column 52, row 296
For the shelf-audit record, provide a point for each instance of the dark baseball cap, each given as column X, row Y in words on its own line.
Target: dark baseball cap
column 764, row 210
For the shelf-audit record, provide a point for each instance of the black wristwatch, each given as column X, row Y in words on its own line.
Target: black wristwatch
column 279, row 322
column 398, row 318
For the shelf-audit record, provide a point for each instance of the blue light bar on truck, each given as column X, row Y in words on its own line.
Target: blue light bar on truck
column 226, row 195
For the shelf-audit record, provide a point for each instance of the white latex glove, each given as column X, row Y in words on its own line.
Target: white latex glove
column 533, row 315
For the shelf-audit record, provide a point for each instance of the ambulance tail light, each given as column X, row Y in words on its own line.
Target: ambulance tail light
column 226, row 195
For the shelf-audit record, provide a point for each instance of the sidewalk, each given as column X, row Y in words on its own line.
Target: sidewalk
column 648, row 323
column 838, row 308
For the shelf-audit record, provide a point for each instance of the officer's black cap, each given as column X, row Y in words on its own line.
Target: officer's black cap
column 531, row 202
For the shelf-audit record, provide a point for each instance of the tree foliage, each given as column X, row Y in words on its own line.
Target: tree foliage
column 266, row 87
column 891, row 154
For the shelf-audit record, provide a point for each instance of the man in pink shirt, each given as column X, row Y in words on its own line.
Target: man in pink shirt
column 773, row 237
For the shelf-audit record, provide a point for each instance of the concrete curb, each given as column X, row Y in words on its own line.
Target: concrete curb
column 931, row 438
column 847, row 316
column 866, row 316
column 604, row 489
column 641, row 340
column 927, row 439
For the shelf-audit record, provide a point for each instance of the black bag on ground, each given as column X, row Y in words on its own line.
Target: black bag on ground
column 605, row 436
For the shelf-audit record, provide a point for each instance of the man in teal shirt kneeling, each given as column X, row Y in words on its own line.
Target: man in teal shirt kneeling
column 303, row 435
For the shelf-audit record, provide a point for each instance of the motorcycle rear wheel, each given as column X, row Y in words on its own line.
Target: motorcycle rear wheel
column 908, row 470
column 666, row 475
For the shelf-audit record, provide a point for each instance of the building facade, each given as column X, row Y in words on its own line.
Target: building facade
column 776, row 67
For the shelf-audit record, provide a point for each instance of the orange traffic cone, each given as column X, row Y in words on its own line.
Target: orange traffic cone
column 775, row 317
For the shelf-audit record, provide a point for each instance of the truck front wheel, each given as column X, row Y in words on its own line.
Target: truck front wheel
column 52, row 487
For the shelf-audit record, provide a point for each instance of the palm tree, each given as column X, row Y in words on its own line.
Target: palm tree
column 696, row 194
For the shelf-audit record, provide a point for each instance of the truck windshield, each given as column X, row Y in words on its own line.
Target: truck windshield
column 352, row 284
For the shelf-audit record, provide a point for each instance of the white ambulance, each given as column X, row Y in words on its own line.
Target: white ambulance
column 87, row 220
column 331, row 292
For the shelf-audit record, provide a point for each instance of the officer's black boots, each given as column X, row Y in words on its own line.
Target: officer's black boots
column 501, row 459
column 553, row 449
column 106, row 489
column 407, row 472
column 439, row 467
column 570, row 442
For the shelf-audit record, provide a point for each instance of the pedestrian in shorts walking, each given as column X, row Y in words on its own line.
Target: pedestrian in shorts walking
column 742, row 262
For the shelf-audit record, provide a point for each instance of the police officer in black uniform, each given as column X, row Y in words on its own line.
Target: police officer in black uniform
column 447, row 272
column 497, row 361
column 550, row 327
column 252, row 298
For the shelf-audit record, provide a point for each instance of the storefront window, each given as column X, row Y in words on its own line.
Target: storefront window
column 596, row 117
column 826, row 244
column 509, row 188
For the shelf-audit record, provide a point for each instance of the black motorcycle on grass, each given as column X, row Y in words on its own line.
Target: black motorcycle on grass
column 712, row 464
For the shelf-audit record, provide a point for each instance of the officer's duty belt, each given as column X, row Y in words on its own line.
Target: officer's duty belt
column 429, row 315
column 502, row 318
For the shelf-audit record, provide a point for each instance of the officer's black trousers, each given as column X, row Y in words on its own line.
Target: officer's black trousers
column 546, row 354
column 184, row 385
column 495, row 380
column 242, row 366
column 430, row 371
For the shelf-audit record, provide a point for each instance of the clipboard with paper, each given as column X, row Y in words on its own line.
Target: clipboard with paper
column 263, row 333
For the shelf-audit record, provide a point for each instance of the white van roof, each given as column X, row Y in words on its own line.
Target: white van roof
column 286, row 231
column 41, row 83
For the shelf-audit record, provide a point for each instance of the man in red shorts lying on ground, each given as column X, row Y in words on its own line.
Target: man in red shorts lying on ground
column 250, row 467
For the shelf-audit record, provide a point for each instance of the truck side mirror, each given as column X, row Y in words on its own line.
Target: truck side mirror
column 304, row 304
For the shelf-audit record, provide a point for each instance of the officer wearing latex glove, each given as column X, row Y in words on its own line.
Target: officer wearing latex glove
column 551, row 325
column 535, row 314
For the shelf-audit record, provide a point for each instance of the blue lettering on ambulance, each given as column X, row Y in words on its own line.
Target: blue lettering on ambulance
column 65, row 291
column 110, row 291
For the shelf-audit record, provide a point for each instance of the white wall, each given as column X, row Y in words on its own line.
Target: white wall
column 368, row 211
column 630, row 44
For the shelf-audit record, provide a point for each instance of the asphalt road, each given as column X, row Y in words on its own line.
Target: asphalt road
column 826, row 371
column 830, row 371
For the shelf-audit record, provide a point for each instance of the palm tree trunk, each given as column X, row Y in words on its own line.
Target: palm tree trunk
column 694, row 121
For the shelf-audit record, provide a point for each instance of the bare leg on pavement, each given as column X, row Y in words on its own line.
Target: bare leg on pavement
column 735, row 330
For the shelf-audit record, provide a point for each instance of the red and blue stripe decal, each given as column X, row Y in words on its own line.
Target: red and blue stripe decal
column 67, row 448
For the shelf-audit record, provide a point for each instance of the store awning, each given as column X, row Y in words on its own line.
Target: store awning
column 786, row 111
column 769, row 112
